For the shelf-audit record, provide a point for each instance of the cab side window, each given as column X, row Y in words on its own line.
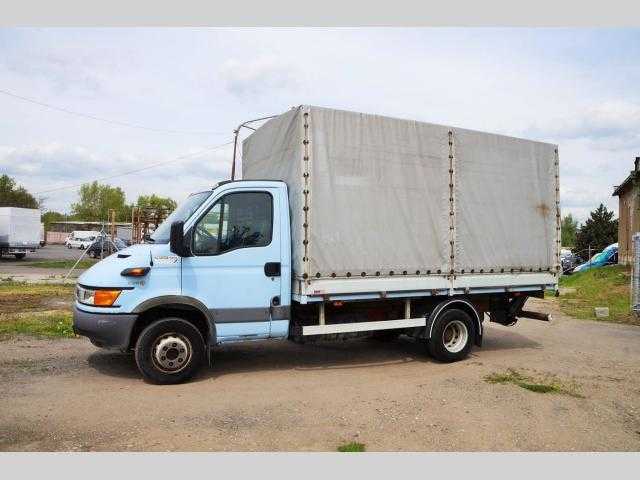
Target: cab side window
column 237, row 220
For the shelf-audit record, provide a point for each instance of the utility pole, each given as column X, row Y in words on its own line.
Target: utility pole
column 112, row 220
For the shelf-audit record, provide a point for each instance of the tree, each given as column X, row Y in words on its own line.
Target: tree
column 600, row 230
column 154, row 209
column 154, row 201
column 96, row 200
column 13, row 196
column 49, row 217
column 569, row 231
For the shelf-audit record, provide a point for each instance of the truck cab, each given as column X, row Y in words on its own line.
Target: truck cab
column 217, row 270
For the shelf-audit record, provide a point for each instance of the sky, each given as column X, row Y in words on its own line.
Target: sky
column 172, row 96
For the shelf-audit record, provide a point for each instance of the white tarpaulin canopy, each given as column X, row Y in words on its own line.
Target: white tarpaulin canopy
column 380, row 196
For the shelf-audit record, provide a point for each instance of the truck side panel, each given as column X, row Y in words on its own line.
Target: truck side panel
column 382, row 205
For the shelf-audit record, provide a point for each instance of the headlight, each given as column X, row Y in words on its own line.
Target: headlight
column 96, row 297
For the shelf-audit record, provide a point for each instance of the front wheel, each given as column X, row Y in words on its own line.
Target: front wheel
column 169, row 351
column 20, row 256
column 451, row 336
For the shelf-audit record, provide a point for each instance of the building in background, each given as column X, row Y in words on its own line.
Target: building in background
column 629, row 213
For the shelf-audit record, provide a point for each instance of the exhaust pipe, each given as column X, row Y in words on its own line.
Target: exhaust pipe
column 545, row 317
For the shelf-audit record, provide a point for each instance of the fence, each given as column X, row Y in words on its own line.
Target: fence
column 56, row 237
column 635, row 275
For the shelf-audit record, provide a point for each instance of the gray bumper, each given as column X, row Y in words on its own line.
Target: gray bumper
column 105, row 330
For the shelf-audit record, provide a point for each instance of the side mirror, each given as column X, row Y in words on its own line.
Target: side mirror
column 176, row 239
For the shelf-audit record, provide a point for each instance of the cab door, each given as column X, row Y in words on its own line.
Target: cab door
column 235, row 264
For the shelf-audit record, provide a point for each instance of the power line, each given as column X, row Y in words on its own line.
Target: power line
column 106, row 120
column 182, row 157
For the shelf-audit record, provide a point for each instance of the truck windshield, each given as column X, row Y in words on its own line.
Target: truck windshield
column 182, row 213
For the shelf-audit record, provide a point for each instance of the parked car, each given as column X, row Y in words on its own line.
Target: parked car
column 81, row 239
column 104, row 246
column 609, row 256
column 569, row 261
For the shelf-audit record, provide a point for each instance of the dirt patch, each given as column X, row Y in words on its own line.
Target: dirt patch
column 273, row 396
column 21, row 297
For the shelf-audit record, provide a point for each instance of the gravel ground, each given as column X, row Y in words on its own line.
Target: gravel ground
column 15, row 269
column 67, row 395
column 48, row 252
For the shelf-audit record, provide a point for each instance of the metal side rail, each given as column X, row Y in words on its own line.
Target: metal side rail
column 363, row 326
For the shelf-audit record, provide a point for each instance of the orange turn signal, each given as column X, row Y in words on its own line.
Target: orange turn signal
column 105, row 298
column 135, row 272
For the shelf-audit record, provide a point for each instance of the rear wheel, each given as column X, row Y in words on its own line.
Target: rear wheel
column 20, row 256
column 452, row 336
column 169, row 351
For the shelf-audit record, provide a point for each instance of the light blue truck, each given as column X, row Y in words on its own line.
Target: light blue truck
column 343, row 224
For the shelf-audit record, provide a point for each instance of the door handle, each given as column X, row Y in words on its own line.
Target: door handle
column 272, row 269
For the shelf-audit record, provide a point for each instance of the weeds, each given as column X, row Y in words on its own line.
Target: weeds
column 548, row 384
column 57, row 323
column 352, row 447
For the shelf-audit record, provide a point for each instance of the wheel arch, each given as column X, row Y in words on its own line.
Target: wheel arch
column 461, row 304
column 185, row 307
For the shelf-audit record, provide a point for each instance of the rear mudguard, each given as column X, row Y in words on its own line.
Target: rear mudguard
column 462, row 304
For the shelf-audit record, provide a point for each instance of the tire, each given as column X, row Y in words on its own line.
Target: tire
column 160, row 335
column 69, row 247
column 452, row 336
column 20, row 256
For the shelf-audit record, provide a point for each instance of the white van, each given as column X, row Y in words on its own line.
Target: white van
column 81, row 239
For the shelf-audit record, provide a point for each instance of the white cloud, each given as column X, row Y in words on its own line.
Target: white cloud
column 257, row 76
column 576, row 88
column 616, row 120
column 48, row 167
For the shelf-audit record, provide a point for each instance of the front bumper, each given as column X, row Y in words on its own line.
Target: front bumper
column 105, row 330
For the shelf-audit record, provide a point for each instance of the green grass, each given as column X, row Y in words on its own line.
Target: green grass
column 9, row 288
column 35, row 309
column 600, row 287
column 40, row 324
column 352, row 447
column 548, row 384
column 66, row 264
